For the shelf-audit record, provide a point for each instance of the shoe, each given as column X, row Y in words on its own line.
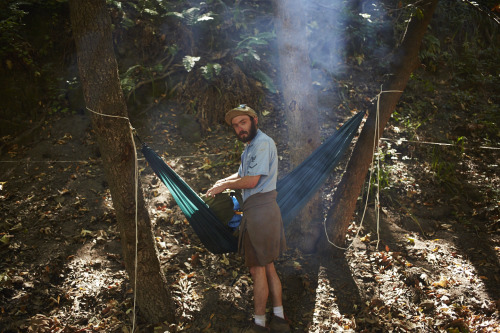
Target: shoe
column 253, row 328
column 279, row 325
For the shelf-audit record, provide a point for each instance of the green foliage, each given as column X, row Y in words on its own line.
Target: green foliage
column 127, row 79
column 430, row 53
column 172, row 50
column 383, row 169
column 247, row 46
column 151, row 10
column 366, row 31
column 444, row 170
column 211, row 71
column 463, row 67
column 61, row 88
column 192, row 16
column 138, row 74
column 189, row 62
column 32, row 50
column 266, row 81
column 12, row 43
column 381, row 178
column 202, row 33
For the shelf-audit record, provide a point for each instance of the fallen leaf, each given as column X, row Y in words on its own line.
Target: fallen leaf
column 224, row 260
column 85, row 233
column 6, row 239
column 365, row 239
column 443, row 282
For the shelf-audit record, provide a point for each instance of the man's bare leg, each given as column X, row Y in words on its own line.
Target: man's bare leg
column 274, row 284
column 260, row 289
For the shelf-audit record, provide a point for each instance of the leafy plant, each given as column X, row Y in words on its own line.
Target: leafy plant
column 211, row 70
column 247, row 47
column 193, row 15
column 444, row 171
column 383, row 170
column 130, row 77
column 266, row 81
column 13, row 44
column 430, row 53
column 61, row 89
column 136, row 74
column 189, row 62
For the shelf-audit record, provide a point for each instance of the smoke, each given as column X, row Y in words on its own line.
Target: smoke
column 325, row 36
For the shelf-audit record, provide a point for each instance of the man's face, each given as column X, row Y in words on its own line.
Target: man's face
column 245, row 127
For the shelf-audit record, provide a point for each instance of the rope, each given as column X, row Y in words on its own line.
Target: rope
column 136, row 185
column 439, row 144
column 46, row 161
column 27, row 161
column 375, row 136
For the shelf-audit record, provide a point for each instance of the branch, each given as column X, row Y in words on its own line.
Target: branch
column 142, row 83
column 491, row 14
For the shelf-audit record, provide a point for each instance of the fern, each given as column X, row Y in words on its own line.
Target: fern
column 266, row 81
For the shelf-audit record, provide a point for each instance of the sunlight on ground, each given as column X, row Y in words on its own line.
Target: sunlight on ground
column 326, row 316
column 429, row 286
column 88, row 279
column 404, row 290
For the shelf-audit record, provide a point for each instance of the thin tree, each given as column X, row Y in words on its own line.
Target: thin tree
column 98, row 69
column 301, row 106
column 349, row 188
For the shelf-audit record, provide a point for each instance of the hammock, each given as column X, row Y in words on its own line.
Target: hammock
column 294, row 190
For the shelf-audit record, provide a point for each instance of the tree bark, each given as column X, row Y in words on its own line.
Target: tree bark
column 301, row 109
column 405, row 62
column 101, row 86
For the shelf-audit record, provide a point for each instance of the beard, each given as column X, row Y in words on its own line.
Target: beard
column 245, row 136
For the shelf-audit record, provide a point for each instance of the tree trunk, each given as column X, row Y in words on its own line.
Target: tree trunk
column 301, row 106
column 99, row 77
column 405, row 62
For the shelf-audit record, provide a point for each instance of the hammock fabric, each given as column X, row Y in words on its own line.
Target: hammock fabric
column 294, row 190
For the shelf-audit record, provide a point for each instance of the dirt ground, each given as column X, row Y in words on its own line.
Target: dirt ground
column 426, row 261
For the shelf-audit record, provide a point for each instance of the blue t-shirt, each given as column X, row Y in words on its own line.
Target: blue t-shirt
column 260, row 157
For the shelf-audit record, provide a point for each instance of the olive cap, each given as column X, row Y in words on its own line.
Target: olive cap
column 242, row 109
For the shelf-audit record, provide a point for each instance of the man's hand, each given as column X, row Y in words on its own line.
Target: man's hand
column 218, row 187
column 233, row 182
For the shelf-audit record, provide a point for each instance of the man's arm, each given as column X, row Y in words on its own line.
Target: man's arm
column 232, row 177
column 233, row 182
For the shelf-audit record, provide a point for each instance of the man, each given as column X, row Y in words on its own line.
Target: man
column 261, row 237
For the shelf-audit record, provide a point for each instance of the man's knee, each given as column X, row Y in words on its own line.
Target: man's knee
column 270, row 266
column 257, row 270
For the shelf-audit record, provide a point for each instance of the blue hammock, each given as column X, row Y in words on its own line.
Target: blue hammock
column 294, row 190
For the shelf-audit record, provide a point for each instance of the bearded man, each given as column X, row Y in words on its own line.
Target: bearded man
column 261, row 236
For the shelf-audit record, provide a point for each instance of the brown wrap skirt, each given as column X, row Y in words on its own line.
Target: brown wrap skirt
column 262, row 236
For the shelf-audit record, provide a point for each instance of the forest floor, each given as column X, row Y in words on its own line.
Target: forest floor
column 430, row 263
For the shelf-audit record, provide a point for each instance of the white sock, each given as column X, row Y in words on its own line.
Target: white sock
column 278, row 311
column 260, row 320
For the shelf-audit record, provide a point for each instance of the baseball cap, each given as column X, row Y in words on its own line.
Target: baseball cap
column 242, row 109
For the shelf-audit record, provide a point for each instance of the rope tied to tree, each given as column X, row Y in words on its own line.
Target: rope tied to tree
column 136, row 191
column 376, row 135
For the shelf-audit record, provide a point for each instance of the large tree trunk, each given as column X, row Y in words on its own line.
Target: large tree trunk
column 405, row 62
column 301, row 109
column 101, row 86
